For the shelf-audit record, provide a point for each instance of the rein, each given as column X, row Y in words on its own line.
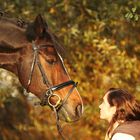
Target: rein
column 50, row 91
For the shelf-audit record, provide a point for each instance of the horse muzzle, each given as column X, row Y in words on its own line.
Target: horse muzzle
column 70, row 114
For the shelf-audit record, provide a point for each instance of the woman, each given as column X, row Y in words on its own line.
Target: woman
column 122, row 111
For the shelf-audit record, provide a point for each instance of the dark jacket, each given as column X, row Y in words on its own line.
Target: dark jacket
column 129, row 127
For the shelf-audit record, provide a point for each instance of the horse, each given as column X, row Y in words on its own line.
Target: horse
column 32, row 53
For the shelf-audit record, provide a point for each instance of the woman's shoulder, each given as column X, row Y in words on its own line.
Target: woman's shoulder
column 129, row 128
column 122, row 136
column 129, row 125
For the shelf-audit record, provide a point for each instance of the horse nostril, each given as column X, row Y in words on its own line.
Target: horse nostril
column 79, row 110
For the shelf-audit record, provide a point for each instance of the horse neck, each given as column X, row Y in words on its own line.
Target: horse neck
column 12, row 39
column 9, row 60
column 12, row 35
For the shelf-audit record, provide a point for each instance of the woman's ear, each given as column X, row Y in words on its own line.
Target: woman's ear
column 40, row 26
column 121, row 114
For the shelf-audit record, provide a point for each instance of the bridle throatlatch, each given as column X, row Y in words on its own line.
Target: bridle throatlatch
column 50, row 91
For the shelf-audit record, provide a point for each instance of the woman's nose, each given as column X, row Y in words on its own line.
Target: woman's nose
column 100, row 106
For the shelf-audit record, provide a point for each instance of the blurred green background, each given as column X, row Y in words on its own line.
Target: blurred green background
column 102, row 41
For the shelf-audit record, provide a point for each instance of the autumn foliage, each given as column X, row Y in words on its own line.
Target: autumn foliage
column 102, row 43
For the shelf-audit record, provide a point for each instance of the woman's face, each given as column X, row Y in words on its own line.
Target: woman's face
column 106, row 111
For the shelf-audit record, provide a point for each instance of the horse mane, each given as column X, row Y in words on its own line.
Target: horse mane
column 19, row 22
column 12, row 35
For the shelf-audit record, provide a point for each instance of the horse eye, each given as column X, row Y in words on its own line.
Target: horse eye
column 51, row 61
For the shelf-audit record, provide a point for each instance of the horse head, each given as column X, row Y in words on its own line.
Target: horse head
column 41, row 70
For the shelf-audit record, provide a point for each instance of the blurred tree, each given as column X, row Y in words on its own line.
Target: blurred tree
column 103, row 50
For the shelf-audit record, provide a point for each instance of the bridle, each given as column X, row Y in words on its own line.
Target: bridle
column 50, row 91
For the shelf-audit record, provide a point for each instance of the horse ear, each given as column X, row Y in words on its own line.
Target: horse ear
column 40, row 26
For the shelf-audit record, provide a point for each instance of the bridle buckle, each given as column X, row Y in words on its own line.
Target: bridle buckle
column 57, row 103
